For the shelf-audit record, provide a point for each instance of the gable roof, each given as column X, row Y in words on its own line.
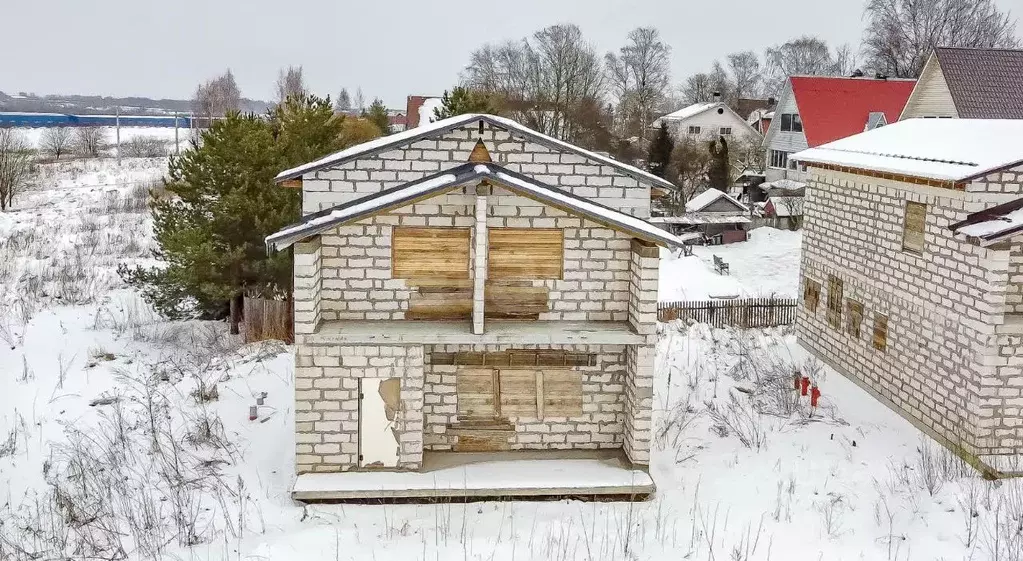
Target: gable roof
column 984, row 83
column 992, row 224
column 708, row 197
column 834, row 107
column 941, row 149
column 402, row 195
column 436, row 128
column 686, row 112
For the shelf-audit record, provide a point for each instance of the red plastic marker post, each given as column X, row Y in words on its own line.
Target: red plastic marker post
column 804, row 385
column 252, row 413
column 815, row 395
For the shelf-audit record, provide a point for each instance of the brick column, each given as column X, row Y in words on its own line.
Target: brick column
column 479, row 261
column 307, row 287
column 639, row 359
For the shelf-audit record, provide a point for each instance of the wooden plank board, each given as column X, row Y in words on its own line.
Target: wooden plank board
column 915, row 221
column 562, row 393
column 518, row 393
column 440, row 304
column 514, row 300
column 525, row 253
column 475, row 389
column 430, row 253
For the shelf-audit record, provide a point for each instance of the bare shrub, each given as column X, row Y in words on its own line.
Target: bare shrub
column 740, row 418
column 15, row 165
column 144, row 147
column 57, row 141
column 89, row 141
column 831, row 511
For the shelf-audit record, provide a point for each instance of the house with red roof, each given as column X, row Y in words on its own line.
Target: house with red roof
column 816, row 110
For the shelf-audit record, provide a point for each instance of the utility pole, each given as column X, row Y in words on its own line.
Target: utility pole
column 117, row 123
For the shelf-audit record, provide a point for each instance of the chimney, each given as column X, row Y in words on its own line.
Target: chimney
column 881, row 76
column 717, row 97
column 857, row 73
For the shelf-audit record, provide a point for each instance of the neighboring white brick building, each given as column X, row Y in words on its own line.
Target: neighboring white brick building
column 500, row 283
column 911, row 276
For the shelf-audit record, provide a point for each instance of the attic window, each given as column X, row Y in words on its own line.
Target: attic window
column 790, row 122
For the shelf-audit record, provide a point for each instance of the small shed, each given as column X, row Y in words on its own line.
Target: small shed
column 719, row 217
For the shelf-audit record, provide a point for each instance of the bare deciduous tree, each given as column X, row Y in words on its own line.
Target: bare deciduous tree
column 747, row 75
column 15, row 165
column 690, row 161
column 89, row 141
column 290, row 83
column 215, row 98
column 343, row 103
column 543, row 79
column 639, row 75
column 701, row 87
column 56, row 141
column 360, row 100
column 901, row 34
column 807, row 55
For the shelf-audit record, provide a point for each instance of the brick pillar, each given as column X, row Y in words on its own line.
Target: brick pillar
column 307, row 286
column 479, row 261
column 639, row 359
column 410, row 451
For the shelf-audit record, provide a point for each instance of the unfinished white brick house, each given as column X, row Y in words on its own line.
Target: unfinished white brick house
column 468, row 287
column 912, row 276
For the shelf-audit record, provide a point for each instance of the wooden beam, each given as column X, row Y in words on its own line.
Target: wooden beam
column 291, row 183
column 645, row 248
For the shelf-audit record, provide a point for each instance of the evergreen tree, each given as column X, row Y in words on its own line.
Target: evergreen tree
column 344, row 101
column 211, row 231
column 464, row 100
column 377, row 114
column 661, row 148
column 718, row 173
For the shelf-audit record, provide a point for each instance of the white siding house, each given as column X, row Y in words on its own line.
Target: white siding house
column 780, row 143
column 708, row 121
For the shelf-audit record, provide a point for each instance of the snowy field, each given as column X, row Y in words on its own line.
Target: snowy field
column 34, row 135
column 766, row 265
column 123, row 436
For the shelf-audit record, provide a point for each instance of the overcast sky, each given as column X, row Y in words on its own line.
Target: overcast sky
column 391, row 48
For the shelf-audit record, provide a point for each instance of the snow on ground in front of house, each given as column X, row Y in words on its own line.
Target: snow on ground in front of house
column 112, row 436
column 34, row 135
column 766, row 265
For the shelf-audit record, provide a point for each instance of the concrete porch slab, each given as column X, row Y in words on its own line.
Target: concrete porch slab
column 460, row 332
column 452, row 475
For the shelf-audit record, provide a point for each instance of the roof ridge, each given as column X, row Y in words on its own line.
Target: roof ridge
column 905, row 157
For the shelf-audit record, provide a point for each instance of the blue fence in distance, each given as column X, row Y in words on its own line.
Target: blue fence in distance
column 62, row 120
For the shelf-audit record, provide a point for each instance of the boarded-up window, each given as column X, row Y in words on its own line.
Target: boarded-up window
column 515, row 357
column 525, row 253
column 519, row 392
column 811, row 294
column 853, row 317
column 430, row 253
column 913, row 227
column 834, row 301
column 880, row 332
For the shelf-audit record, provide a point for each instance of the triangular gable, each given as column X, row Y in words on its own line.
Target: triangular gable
column 433, row 185
column 931, row 96
column 438, row 128
column 706, row 199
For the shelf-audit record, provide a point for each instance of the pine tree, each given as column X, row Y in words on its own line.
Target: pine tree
column 377, row 114
column 661, row 148
column 211, row 231
column 718, row 173
column 464, row 100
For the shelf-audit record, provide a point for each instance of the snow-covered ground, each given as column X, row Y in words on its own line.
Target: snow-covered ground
column 766, row 265
column 34, row 135
column 114, row 443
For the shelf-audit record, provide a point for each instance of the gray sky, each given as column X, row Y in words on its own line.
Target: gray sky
column 391, row 48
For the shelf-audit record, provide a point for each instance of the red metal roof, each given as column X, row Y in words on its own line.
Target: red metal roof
column 832, row 108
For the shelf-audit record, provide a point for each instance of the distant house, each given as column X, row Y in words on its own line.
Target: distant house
column 745, row 106
column 787, row 210
column 707, row 121
column 419, row 110
column 760, row 120
column 717, row 216
column 969, row 84
column 815, row 110
column 912, row 275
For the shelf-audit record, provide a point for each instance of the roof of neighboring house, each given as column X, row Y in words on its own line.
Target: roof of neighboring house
column 834, row 107
column 706, row 198
column 783, row 185
column 687, row 112
column 698, row 219
column 402, row 195
column 435, row 128
column 746, row 106
column 992, row 224
column 984, row 83
column 941, row 149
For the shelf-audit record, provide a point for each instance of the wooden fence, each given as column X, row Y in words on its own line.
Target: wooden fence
column 746, row 312
column 267, row 319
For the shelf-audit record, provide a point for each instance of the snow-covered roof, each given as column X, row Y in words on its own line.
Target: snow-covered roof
column 697, row 219
column 706, row 198
column 783, row 185
column 993, row 224
column 395, row 197
column 941, row 149
column 687, row 112
column 409, row 136
column 785, row 207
